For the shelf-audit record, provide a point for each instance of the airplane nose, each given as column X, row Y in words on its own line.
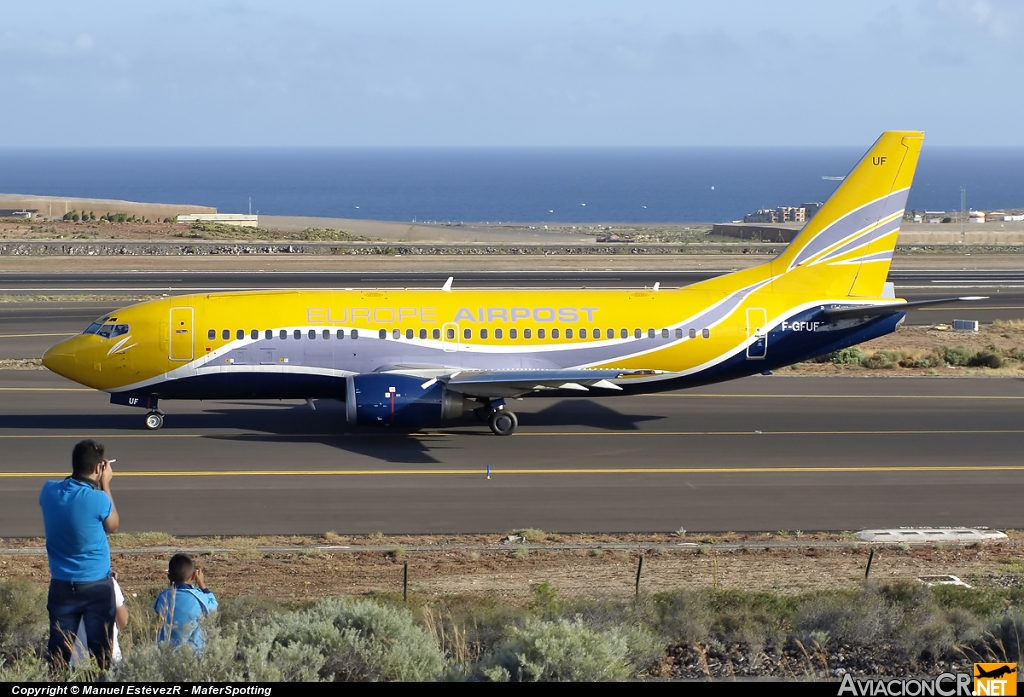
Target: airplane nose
column 60, row 359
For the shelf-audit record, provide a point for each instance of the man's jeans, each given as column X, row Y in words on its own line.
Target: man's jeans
column 68, row 603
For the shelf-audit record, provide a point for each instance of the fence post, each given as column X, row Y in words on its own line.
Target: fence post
column 405, row 582
column 639, row 568
column 871, row 558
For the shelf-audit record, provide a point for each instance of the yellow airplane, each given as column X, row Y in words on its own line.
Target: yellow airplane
column 412, row 358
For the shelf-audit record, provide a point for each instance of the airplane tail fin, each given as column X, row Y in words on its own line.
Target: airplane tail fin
column 846, row 248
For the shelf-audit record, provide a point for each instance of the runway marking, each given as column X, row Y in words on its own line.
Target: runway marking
column 520, row 434
column 581, row 470
column 21, row 336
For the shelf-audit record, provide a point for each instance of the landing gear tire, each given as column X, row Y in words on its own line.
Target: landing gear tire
column 154, row 420
column 503, row 422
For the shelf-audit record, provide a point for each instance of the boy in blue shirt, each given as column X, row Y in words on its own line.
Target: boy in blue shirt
column 181, row 606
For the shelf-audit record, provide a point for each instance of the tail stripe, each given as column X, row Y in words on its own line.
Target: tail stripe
column 886, row 228
column 880, row 256
column 851, row 224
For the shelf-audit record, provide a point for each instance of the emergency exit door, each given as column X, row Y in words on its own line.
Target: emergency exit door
column 757, row 332
column 181, row 334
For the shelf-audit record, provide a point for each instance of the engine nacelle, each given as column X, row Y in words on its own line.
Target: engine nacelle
column 382, row 399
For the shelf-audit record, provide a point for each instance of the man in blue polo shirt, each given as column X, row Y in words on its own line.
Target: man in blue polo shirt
column 78, row 512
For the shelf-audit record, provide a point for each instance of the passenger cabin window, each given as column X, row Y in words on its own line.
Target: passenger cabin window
column 408, row 334
column 679, row 333
column 527, row 333
column 226, row 334
column 706, row 333
column 311, row 334
column 513, row 334
column 355, row 333
column 382, row 334
column 568, row 333
column 326, row 334
column 597, row 334
column 637, row 333
column 212, row 334
column 693, row 333
column 341, row 333
column 283, row 334
column 467, row 333
column 423, row 333
column 436, row 333
column 540, row 333
column 297, row 334
column 483, row 333
column 268, row 334
column 650, row 333
column 554, row 333
column 254, row 334
column 396, row 333
column 623, row 333
column 450, row 333
column 610, row 334
column 664, row 333
column 497, row 333
column 239, row 333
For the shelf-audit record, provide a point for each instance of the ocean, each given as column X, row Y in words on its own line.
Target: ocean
column 531, row 185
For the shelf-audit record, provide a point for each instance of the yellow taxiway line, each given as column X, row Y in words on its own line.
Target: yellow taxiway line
column 581, row 470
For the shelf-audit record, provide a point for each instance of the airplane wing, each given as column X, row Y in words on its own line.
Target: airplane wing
column 888, row 308
column 508, row 383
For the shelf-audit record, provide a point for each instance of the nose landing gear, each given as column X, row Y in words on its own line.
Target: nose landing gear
column 154, row 420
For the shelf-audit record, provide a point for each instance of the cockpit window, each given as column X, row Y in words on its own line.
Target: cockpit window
column 93, row 328
column 108, row 331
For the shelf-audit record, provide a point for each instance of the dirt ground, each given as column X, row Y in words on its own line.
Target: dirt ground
column 606, row 565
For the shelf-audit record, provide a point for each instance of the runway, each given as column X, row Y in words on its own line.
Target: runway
column 28, row 329
column 763, row 453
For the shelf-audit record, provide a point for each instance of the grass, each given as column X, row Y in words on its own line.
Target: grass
column 140, row 539
column 531, row 534
column 905, row 627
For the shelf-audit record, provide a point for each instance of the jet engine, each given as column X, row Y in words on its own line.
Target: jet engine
column 382, row 399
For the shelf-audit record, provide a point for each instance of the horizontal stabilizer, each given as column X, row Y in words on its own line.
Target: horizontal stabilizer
column 889, row 308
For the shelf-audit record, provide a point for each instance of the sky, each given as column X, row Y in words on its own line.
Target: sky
column 525, row 73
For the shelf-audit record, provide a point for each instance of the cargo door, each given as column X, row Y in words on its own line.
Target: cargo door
column 181, row 331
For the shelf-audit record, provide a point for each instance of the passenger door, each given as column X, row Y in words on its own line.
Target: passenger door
column 181, row 331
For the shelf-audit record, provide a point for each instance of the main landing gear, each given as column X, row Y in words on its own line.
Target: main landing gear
column 501, row 420
column 154, row 420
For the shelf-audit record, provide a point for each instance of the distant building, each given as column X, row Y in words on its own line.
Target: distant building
column 811, row 208
column 222, row 218
column 976, row 217
column 18, row 213
column 784, row 214
column 763, row 215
